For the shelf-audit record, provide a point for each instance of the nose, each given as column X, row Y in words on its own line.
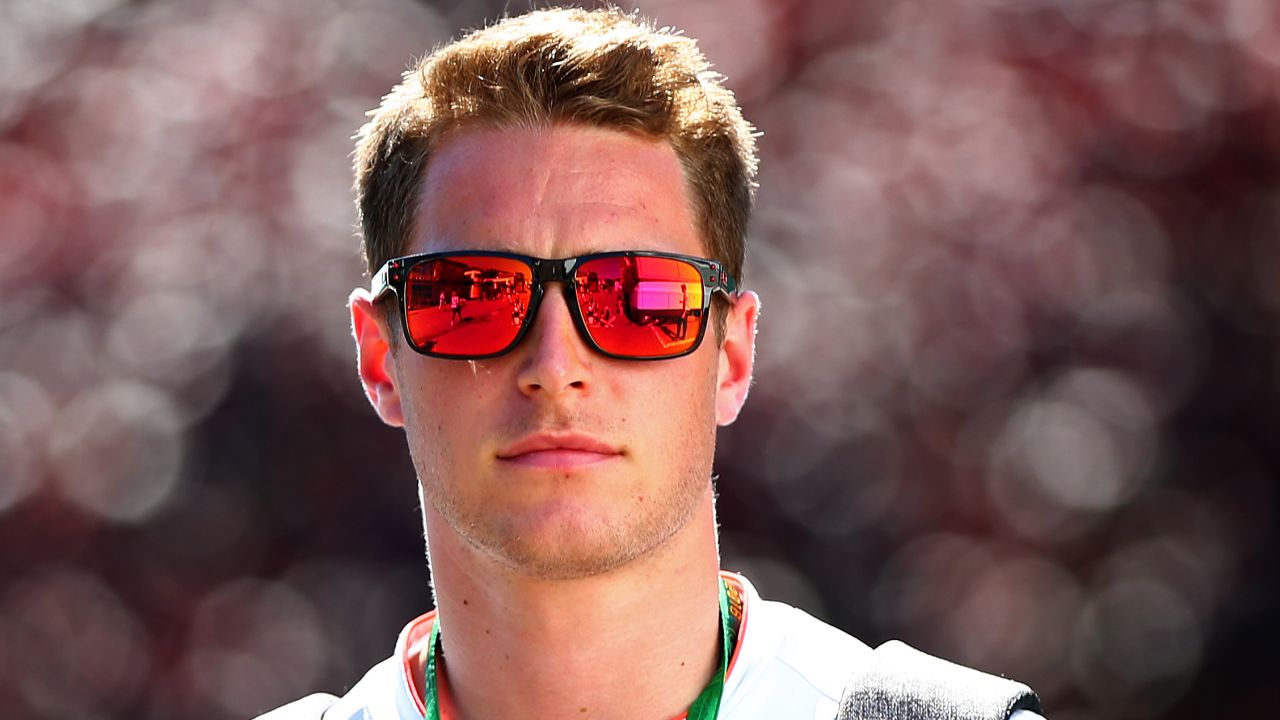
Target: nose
column 556, row 360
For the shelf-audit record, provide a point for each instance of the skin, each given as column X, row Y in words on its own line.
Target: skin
column 546, row 564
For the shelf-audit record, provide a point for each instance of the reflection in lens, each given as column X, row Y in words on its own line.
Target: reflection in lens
column 467, row 305
column 640, row 306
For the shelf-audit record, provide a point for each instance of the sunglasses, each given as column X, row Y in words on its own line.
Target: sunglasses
column 628, row 305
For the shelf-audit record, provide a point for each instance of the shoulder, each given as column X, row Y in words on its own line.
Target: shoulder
column 373, row 698
column 788, row 663
column 380, row 695
column 905, row 682
column 310, row 707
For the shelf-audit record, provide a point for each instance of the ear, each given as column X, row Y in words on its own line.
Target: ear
column 374, row 360
column 737, row 357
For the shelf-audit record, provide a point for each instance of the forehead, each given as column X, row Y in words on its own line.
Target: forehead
column 554, row 192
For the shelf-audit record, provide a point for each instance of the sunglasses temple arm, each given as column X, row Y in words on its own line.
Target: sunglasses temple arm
column 728, row 286
column 381, row 282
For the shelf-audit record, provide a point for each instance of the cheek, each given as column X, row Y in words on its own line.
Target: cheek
column 441, row 415
column 679, row 410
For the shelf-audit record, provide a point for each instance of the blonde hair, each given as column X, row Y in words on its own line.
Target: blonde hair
column 600, row 68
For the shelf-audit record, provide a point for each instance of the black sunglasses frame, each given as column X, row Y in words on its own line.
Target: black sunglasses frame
column 394, row 274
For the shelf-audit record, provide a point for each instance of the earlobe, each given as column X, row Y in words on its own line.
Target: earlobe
column 374, row 360
column 737, row 357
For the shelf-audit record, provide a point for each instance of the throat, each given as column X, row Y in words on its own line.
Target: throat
column 651, row 668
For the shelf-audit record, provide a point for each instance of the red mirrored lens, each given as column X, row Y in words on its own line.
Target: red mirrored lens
column 467, row 305
column 643, row 307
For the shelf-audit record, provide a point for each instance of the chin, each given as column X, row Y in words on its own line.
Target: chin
column 562, row 565
column 567, row 542
column 570, row 526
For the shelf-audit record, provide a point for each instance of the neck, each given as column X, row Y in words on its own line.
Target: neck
column 639, row 641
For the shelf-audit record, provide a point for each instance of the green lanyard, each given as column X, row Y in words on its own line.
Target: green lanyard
column 704, row 707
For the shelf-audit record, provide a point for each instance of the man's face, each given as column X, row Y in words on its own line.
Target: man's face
column 554, row 460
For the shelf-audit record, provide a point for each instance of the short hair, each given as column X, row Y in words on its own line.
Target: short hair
column 600, row 68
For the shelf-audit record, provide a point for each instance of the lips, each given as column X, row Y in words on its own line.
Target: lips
column 558, row 451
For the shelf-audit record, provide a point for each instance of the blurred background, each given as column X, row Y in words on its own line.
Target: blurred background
column 1018, row 394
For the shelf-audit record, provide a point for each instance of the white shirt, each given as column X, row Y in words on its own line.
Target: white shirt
column 787, row 664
